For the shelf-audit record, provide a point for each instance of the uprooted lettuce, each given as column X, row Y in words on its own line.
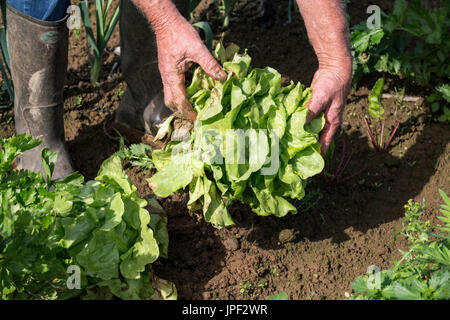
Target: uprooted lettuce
column 49, row 229
column 249, row 143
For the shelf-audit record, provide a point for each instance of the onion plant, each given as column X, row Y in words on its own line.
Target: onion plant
column 192, row 5
column 4, row 63
column 290, row 4
column 201, row 24
column 227, row 7
column 104, row 30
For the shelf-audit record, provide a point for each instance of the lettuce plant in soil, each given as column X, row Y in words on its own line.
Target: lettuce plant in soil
column 101, row 226
column 218, row 166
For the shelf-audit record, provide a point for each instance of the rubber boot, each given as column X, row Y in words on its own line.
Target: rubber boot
column 38, row 56
column 142, row 106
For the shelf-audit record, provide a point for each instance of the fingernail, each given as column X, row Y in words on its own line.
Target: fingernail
column 221, row 75
column 323, row 150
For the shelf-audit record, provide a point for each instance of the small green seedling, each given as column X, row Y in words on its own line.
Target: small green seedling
column 274, row 271
column 263, row 284
column 245, row 287
column 137, row 155
column 412, row 163
column 279, row 296
column 78, row 101
column 377, row 184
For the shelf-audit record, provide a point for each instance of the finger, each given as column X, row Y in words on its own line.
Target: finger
column 332, row 123
column 179, row 98
column 168, row 97
column 191, row 115
column 319, row 102
column 175, row 96
column 209, row 64
column 326, row 136
column 172, row 104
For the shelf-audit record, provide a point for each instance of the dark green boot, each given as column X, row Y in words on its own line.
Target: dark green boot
column 142, row 106
column 38, row 53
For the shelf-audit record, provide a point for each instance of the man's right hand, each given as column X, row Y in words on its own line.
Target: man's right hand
column 179, row 45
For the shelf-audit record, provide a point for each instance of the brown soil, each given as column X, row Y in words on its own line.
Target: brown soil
column 317, row 253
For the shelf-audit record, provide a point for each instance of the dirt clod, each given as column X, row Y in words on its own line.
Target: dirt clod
column 231, row 244
column 286, row 235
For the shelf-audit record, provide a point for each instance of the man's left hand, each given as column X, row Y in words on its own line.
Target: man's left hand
column 329, row 92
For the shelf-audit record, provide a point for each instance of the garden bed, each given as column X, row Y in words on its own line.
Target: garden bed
column 320, row 251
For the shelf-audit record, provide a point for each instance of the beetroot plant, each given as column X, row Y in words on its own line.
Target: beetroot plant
column 376, row 111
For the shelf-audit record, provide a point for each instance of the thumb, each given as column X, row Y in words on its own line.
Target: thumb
column 319, row 102
column 315, row 108
column 210, row 65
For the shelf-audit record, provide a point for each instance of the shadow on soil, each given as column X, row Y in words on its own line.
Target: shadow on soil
column 196, row 252
column 361, row 203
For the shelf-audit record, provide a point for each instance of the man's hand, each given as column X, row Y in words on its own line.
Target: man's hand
column 329, row 92
column 179, row 45
column 328, row 33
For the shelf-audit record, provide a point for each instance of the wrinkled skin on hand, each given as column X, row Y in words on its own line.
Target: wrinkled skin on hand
column 179, row 45
column 329, row 35
column 329, row 93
